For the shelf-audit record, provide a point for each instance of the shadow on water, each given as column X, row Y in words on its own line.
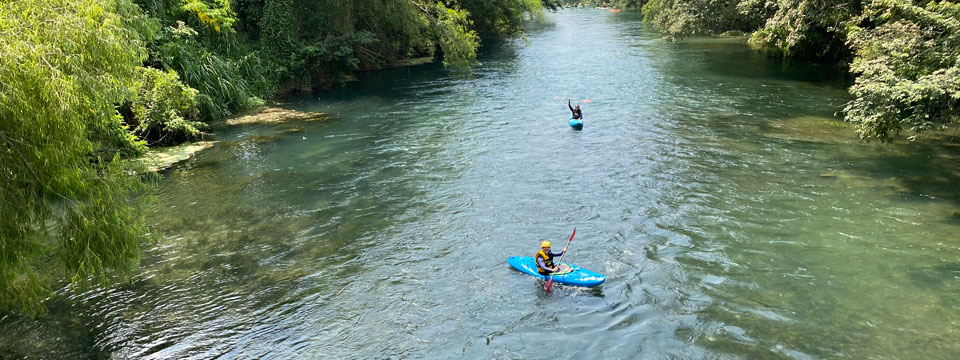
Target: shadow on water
column 430, row 80
column 936, row 277
column 65, row 332
column 925, row 170
column 731, row 58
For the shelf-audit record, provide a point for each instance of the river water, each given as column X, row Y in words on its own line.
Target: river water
column 732, row 214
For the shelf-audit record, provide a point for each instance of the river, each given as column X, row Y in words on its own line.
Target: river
column 733, row 215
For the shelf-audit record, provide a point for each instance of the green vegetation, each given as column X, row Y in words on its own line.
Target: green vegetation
column 64, row 64
column 908, row 61
column 905, row 54
column 164, row 108
column 85, row 83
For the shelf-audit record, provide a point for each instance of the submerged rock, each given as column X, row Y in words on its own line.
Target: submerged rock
column 273, row 115
column 415, row 61
column 162, row 158
column 733, row 33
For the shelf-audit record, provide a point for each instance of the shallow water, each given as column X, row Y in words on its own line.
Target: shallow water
column 733, row 217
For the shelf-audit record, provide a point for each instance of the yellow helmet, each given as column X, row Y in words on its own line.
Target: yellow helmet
column 545, row 244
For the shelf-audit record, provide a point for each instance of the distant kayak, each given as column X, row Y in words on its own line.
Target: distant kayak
column 576, row 124
column 575, row 275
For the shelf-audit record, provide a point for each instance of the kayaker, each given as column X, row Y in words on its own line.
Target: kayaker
column 577, row 115
column 545, row 259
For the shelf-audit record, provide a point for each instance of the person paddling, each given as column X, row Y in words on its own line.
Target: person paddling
column 577, row 115
column 545, row 257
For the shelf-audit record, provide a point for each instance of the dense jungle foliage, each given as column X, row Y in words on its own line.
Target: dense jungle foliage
column 85, row 83
column 905, row 54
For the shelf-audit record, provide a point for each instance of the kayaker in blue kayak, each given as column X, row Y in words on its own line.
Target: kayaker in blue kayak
column 577, row 115
column 545, row 257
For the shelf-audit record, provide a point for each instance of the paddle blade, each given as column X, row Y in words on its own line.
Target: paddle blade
column 549, row 284
column 585, row 101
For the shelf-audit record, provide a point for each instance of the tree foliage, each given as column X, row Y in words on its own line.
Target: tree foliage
column 905, row 54
column 64, row 64
column 216, row 15
column 198, row 42
column 321, row 42
column 224, row 82
column 498, row 19
column 682, row 18
column 908, row 61
column 812, row 29
column 164, row 110
column 453, row 34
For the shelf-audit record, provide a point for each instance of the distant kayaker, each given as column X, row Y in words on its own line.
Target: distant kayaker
column 575, row 110
column 545, row 259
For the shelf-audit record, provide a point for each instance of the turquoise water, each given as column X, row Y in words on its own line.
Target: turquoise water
column 733, row 216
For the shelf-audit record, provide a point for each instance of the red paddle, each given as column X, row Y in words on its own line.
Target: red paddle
column 549, row 284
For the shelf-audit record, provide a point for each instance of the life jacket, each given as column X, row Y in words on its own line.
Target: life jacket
column 547, row 260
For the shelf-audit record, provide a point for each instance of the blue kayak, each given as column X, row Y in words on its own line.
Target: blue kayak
column 576, row 124
column 576, row 276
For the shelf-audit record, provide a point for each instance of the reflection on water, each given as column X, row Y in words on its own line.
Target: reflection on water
column 732, row 214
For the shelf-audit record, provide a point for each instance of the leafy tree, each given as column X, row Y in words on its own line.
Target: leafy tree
column 65, row 197
column 322, row 42
column 908, row 61
column 452, row 32
column 216, row 15
column 164, row 109
column 627, row 4
column 681, row 18
column 315, row 43
column 813, row 29
column 277, row 28
column 499, row 19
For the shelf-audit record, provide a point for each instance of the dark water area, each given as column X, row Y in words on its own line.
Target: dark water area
column 734, row 216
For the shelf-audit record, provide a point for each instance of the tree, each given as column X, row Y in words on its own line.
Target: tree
column 453, row 33
column 164, row 110
column 908, row 61
column 499, row 19
column 811, row 29
column 65, row 197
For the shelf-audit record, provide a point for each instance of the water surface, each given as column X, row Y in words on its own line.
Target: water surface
column 733, row 217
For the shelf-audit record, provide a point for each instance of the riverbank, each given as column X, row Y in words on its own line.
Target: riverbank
column 162, row 158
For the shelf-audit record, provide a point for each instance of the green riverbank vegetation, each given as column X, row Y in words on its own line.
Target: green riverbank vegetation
column 905, row 54
column 87, row 83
